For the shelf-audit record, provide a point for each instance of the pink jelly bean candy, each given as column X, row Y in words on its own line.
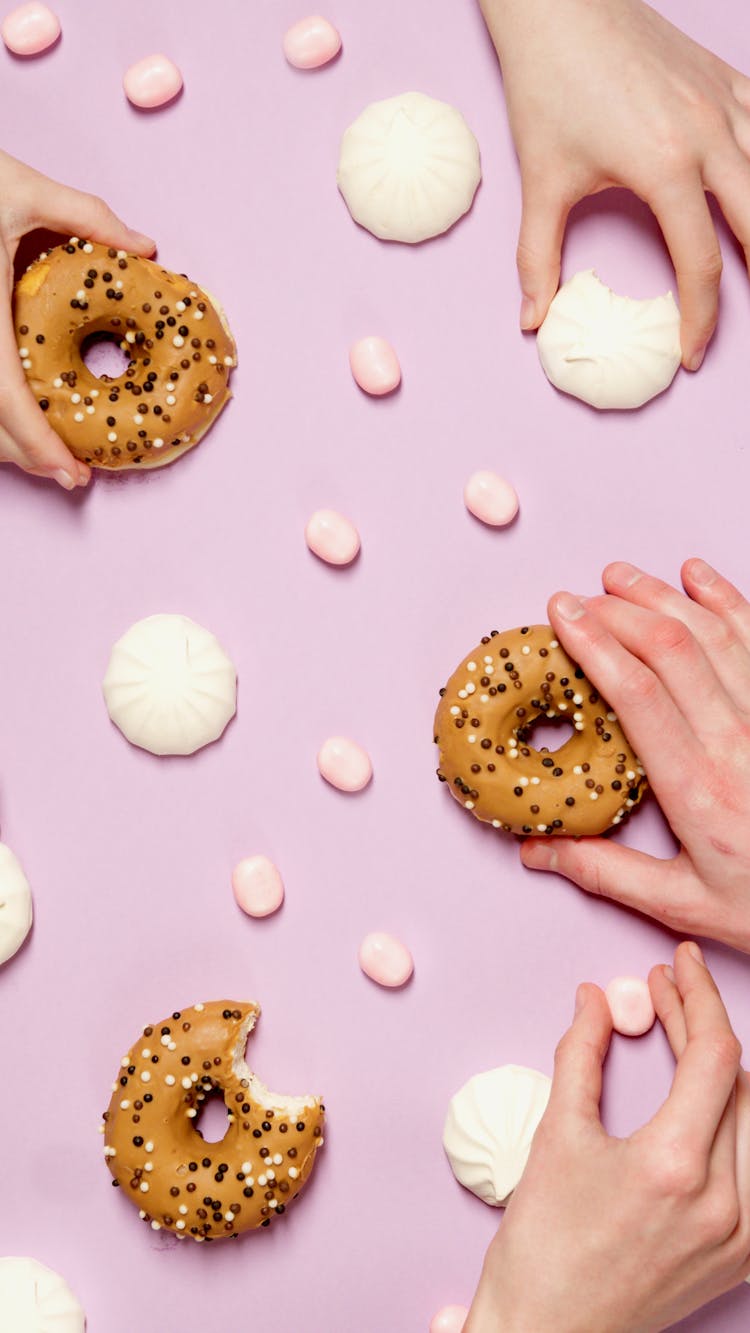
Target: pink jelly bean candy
column 450, row 1319
column 385, row 959
column 152, row 81
column 332, row 537
column 631, row 1006
column 30, row 29
column 311, row 42
column 344, row 764
column 490, row 498
column 375, row 366
column 257, row 885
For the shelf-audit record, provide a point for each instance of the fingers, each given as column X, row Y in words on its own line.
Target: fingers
column 75, row 213
column 666, row 644
column 653, row 724
column 684, row 217
column 664, row 890
column 25, row 436
column 539, row 248
column 577, row 1081
column 729, row 181
column 670, row 1010
column 709, row 1065
column 715, row 612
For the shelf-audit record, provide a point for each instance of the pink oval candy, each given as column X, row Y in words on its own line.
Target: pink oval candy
column 152, row 81
column 258, row 886
column 450, row 1319
column 311, row 43
column 30, row 29
column 344, row 764
column 631, row 1006
column 490, row 498
column 332, row 537
column 385, row 959
column 375, row 366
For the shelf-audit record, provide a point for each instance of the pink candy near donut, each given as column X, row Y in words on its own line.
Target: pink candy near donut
column 152, row 82
column 385, row 960
column 258, row 886
column 332, row 537
column 344, row 764
column 30, row 29
column 491, row 499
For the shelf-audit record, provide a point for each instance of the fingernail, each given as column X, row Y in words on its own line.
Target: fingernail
column 542, row 857
column 528, row 313
column 702, row 574
column 622, row 573
column 143, row 240
column 568, row 606
column 580, row 1000
column 696, row 360
column 64, row 479
column 668, row 971
column 695, row 953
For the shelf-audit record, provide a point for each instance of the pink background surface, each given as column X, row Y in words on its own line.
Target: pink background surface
column 130, row 857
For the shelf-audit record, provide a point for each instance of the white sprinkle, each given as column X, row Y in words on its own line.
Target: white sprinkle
column 277, row 1159
column 149, row 1166
column 75, row 398
column 158, row 443
column 169, row 1080
column 526, row 650
column 149, row 1147
column 523, row 782
column 208, row 398
column 94, row 393
column 141, row 1213
column 630, row 804
column 122, row 254
column 112, row 437
column 578, row 717
column 124, row 1105
column 186, row 1083
column 541, row 827
column 156, row 1226
column 144, row 1187
column 469, row 805
column 535, row 782
column 611, row 717
column 593, row 795
column 57, row 382
column 180, row 1224
column 78, row 416
column 182, row 1209
column 88, row 248
column 81, row 295
column 229, row 1217
column 146, row 1053
column 513, row 754
column 577, row 769
column 293, row 1173
column 165, row 1041
column 228, row 361
column 27, row 366
column 630, row 775
column 138, row 419
column 90, row 410
column 171, row 400
column 496, row 823
column 471, row 666
column 130, row 337
column 455, row 710
column 198, row 1007
column 262, row 1180
column 192, row 1113
column 118, row 284
column 562, row 707
column 484, row 698
column 178, row 341
column 74, row 240
column 462, row 694
column 198, row 314
column 212, row 360
column 180, row 306
column 577, row 698
column 125, row 1061
column 579, row 726
column 470, row 686
column 172, row 1045
column 145, row 1076
column 553, row 643
column 24, row 351
column 246, row 1168
column 472, row 739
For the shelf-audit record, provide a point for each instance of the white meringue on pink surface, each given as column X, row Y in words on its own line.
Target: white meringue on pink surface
column 152, row 82
column 311, row 42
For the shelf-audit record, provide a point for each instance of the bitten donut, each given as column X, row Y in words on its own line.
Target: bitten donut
column 484, row 725
column 209, row 1191
column 179, row 347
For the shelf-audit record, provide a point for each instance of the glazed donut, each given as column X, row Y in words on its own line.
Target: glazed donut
column 180, row 348
column 484, row 724
column 209, row 1191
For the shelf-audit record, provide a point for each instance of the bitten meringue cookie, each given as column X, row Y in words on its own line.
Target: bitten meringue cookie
column 608, row 350
column 408, row 168
column 34, row 1299
column 15, row 902
column 489, row 1129
column 169, row 686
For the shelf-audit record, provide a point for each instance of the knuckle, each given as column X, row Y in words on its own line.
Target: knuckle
column 678, row 1173
column 670, row 635
column 720, row 1212
column 639, row 687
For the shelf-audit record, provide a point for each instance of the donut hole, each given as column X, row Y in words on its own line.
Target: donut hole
column 212, row 1120
column 547, row 736
column 102, row 354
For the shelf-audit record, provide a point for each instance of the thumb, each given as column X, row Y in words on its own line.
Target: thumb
column 539, row 245
column 660, row 889
column 78, row 214
column 577, row 1080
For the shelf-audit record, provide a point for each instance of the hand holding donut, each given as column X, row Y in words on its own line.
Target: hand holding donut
column 677, row 124
column 676, row 668
column 638, row 1232
column 29, row 200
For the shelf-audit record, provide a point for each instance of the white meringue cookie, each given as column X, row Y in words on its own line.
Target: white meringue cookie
column 488, row 1131
column 170, row 687
column 34, row 1299
column 408, row 167
column 15, row 907
column 606, row 349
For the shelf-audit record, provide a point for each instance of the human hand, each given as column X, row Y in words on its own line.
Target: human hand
column 607, row 1235
column 29, row 200
column 610, row 94
column 676, row 670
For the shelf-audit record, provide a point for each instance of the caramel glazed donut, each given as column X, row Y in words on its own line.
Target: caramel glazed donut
column 178, row 1181
column 484, row 723
column 180, row 348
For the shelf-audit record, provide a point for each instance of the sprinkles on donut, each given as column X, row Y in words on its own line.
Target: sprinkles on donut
column 179, row 347
column 484, row 729
column 208, row 1191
